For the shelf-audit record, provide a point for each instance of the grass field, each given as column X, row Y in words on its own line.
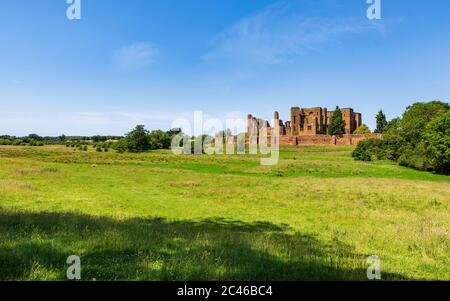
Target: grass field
column 317, row 215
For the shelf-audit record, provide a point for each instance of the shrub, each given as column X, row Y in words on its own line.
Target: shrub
column 369, row 150
column 280, row 173
column 363, row 129
column 414, row 158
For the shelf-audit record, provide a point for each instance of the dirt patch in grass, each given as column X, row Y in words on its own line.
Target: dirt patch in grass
column 15, row 186
column 35, row 171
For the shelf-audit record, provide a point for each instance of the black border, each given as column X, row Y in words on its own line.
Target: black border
column 166, row 289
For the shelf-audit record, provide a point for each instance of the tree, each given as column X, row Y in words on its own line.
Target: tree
column 136, row 140
column 99, row 138
column 381, row 122
column 175, row 131
column 436, row 141
column 363, row 129
column 35, row 137
column 159, row 140
column 420, row 139
column 391, row 133
column 337, row 123
column 416, row 118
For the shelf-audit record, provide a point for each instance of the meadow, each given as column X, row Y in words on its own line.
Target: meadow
column 317, row 215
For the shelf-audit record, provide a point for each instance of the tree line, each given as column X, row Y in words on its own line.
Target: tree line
column 419, row 139
column 36, row 140
column 140, row 140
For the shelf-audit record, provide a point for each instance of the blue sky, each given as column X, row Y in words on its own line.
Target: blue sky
column 152, row 61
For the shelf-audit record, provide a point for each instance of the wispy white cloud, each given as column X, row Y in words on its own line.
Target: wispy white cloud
column 136, row 56
column 279, row 33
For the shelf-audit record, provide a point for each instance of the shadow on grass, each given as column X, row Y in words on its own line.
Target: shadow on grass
column 36, row 246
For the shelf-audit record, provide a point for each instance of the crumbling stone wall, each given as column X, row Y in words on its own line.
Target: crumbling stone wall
column 307, row 127
column 317, row 139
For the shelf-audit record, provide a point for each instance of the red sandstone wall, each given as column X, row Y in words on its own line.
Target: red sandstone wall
column 343, row 140
column 357, row 138
column 315, row 140
column 288, row 140
column 321, row 139
column 327, row 140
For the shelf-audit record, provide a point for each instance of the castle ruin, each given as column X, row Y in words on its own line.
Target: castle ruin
column 309, row 126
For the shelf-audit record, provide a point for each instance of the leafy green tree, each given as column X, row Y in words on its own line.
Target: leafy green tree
column 381, row 122
column 35, row 137
column 363, row 129
column 97, row 139
column 392, row 126
column 174, row 132
column 337, row 123
column 416, row 118
column 393, row 139
column 436, row 141
column 420, row 139
column 159, row 140
column 136, row 141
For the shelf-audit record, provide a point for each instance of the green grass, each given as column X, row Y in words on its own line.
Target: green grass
column 317, row 215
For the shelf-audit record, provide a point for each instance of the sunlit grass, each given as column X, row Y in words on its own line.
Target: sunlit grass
column 316, row 215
